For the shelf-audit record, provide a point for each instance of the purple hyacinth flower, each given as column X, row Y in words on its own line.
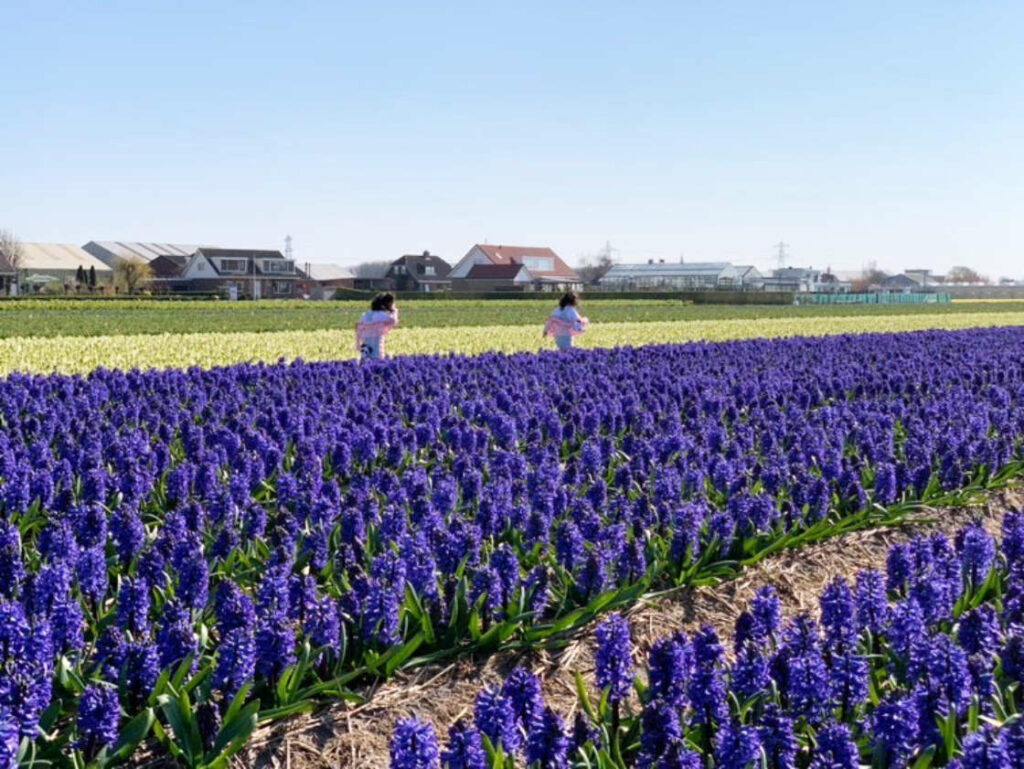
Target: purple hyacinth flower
column 614, row 666
column 547, row 743
column 465, row 748
column 670, row 665
column 835, row 749
column 977, row 551
column 872, row 602
column 414, row 745
column 984, row 750
column 737, row 745
column 99, row 714
column 894, row 726
column 495, row 717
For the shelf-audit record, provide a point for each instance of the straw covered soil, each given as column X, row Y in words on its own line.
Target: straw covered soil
column 357, row 736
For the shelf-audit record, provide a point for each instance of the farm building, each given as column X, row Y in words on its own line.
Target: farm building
column 56, row 264
column 674, row 275
column 544, row 268
column 424, row 272
column 109, row 251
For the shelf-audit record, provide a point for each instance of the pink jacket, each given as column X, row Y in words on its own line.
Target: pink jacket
column 375, row 324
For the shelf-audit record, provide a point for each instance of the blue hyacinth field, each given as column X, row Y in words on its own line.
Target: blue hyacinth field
column 190, row 559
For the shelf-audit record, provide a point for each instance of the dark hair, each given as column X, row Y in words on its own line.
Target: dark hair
column 568, row 300
column 385, row 301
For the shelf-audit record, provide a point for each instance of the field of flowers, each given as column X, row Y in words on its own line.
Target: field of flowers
column 112, row 317
column 184, row 554
column 74, row 354
column 918, row 666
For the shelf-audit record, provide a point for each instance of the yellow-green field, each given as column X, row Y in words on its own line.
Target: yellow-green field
column 71, row 354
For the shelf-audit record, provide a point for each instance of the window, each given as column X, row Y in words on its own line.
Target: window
column 539, row 263
column 279, row 266
column 232, row 265
column 429, row 270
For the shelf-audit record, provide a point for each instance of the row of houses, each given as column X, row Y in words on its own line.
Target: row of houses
column 268, row 273
column 485, row 267
column 262, row 273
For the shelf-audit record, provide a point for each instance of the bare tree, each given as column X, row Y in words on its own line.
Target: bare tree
column 371, row 269
column 592, row 268
column 131, row 274
column 870, row 277
column 12, row 250
column 964, row 275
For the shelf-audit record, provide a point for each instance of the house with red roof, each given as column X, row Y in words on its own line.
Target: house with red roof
column 512, row 268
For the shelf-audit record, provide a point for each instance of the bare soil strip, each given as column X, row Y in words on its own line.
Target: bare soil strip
column 357, row 736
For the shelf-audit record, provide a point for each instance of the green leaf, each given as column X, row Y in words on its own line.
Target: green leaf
column 233, row 734
column 925, row 759
column 402, row 654
column 134, row 732
column 584, row 698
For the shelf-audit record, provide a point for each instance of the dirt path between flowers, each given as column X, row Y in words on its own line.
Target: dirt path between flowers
column 357, row 737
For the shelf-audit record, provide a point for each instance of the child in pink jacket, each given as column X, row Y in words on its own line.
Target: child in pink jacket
column 375, row 324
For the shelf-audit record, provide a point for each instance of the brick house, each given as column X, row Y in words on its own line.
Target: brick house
column 545, row 270
column 426, row 272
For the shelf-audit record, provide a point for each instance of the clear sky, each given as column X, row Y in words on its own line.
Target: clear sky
column 855, row 131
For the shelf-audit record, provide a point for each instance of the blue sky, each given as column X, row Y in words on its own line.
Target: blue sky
column 891, row 132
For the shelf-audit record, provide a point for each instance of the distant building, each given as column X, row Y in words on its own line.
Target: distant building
column 692, row 276
column 544, row 268
column 109, row 251
column 495, row 277
column 323, row 280
column 374, row 277
column 749, row 277
column 911, row 281
column 901, row 282
column 805, row 280
column 43, row 264
column 245, row 273
column 424, row 272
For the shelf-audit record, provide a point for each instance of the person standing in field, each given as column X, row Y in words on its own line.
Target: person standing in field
column 375, row 324
column 565, row 321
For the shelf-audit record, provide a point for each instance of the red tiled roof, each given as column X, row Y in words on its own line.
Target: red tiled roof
column 493, row 271
column 499, row 254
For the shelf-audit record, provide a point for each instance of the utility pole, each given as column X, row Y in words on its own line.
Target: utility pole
column 780, row 255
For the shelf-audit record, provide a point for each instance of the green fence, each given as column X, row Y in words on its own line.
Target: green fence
column 876, row 297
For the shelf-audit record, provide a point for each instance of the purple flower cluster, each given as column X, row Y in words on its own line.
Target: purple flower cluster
column 226, row 519
column 796, row 692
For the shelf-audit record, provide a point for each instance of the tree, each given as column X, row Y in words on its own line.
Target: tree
column 869, row 278
column 962, row 274
column 131, row 273
column 592, row 268
column 12, row 250
column 80, row 275
column 92, row 276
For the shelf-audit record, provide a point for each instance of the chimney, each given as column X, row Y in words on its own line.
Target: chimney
column 661, row 261
column 650, row 261
column 426, row 253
